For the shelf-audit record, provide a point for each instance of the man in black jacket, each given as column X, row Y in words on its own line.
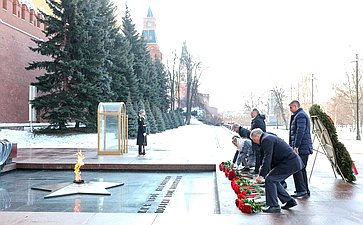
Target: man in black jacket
column 243, row 132
column 279, row 162
column 258, row 121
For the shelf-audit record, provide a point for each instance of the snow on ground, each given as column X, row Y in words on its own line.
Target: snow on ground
column 26, row 139
column 170, row 139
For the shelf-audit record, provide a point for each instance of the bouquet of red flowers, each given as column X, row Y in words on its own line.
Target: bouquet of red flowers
column 245, row 189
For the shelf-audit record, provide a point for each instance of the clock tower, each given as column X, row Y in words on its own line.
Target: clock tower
column 149, row 35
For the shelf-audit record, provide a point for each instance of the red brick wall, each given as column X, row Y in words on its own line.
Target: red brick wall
column 15, row 39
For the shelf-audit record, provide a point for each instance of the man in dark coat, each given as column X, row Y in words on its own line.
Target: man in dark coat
column 243, row 132
column 300, row 141
column 258, row 121
column 141, row 132
column 279, row 162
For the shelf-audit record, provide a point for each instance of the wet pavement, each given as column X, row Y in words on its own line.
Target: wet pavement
column 142, row 192
column 160, row 189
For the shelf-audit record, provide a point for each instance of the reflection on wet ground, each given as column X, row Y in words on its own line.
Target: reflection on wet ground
column 142, row 192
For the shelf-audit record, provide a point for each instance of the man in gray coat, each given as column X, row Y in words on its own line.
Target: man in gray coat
column 278, row 163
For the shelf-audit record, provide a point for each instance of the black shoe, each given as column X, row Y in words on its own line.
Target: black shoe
column 272, row 209
column 245, row 169
column 289, row 204
column 299, row 194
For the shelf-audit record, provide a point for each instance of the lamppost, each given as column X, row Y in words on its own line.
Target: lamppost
column 357, row 94
column 312, row 89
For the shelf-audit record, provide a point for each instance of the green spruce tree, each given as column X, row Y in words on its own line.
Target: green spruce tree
column 174, row 120
column 119, row 60
column 158, row 118
column 132, row 119
column 151, row 122
column 57, row 102
column 138, row 50
column 166, row 120
column 162, row 91
column 180, row 116
column 96, row 86
column 76, row 78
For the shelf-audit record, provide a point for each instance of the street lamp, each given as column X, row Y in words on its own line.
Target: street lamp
column 357, row 94
column 312, row 89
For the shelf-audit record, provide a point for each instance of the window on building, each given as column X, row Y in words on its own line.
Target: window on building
column 5, row 4
column 23, row 12
column 31, row 18
column 14, row 7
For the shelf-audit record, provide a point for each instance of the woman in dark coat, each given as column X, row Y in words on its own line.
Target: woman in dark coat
column 141, row 132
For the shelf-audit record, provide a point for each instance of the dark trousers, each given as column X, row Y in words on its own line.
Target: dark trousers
column 274, row 189
column 141, row 149
column 301, row 178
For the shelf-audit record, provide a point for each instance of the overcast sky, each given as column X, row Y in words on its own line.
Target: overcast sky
column 252, row 46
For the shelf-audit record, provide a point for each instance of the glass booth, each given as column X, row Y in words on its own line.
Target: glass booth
column 112, row 128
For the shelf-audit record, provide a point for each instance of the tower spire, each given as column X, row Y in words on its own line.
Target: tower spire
column 149, row 35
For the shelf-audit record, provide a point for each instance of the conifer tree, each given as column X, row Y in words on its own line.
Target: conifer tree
column 138, row 50
column 151, row 123
column 158, row 118
column 119, row 61
column 174, row 120
column 75, row 78
column 120, row 70
column 163, row 98
column 166, row 120
column 151, row 88
column 132, row 119
column 96, row 86
column 180, row 116
column 57, row 102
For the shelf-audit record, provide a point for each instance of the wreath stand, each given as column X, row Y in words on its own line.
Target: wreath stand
column 325, row 144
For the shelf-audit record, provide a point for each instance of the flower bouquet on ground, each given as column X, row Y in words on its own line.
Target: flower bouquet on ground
column 247, row 191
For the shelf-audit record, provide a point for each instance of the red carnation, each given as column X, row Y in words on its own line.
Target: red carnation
column 221, row 166
column 233, row 184
column 246, row 208
column 231, row 175
column 237, row 202
column 237, row 189
column 240, row 204
column 241, row 196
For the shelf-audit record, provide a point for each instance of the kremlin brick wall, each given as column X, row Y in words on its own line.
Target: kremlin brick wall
column 18, row 25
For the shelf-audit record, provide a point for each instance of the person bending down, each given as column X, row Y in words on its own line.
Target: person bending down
column 244, row 155
column 279, row 162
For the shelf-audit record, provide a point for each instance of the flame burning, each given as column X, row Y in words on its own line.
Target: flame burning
column 77, row 167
